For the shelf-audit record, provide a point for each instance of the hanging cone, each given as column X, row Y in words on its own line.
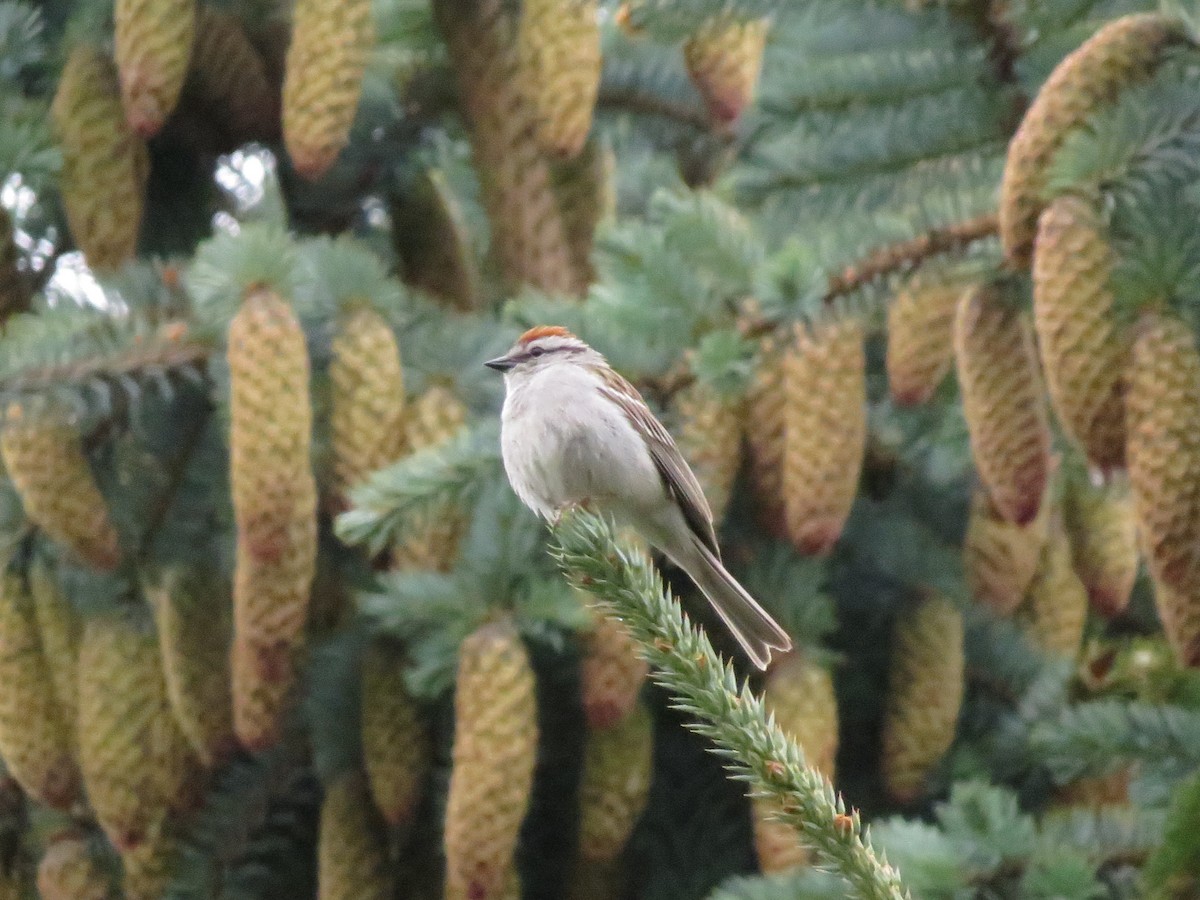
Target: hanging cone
column 710, row 439
column 150, row 867
column 765, row 435
column 153, row 45
column 229, row 78
column 59, row 629
column 352, row 858
column 71, row 869
column 724, row 58
column 395, row 740
column 920, row 336
column 1055, row 612
column 433, row 240
column 1103, row 532
column 586, row 197
column 612, row 673
column 1000, row 558
column 615, row 784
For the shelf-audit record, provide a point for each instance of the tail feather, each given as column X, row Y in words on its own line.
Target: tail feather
column 748, row 622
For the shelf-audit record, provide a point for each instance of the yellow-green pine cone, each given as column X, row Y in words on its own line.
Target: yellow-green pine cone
column 274, row 503
column 999, row 557
column 617, row 766
column 1083, row 353
column 150, row 866
column 825, row 431
column 35, row 739
column 1124, row 51
column 229, row 77
column 559, row 46
column 1055, row 612
column 925, row 689
column 1103, row 532
column 1179, row 611
column 46, row 464
column 1163, row 451
column 1003, row 401
column 367, row 418
column 710, row 439
column 105, row 163
column 799, row 693
column 14, row 289
column 153, row 45
column 765, row 435
column 136, row 763
column 495, row 747
column 193, row 616
column 331, row 40
column 920, row 337
column 724, row 58
column 611, row 673
column 432, row 418
column 59, row 629
column 395, row 739
column 586, row 197
column 71, row 869
column 352, row 853
column 527, row 232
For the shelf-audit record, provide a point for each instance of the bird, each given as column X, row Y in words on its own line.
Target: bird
column 574, row 432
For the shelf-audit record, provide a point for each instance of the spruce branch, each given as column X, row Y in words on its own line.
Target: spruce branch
column 704, row 686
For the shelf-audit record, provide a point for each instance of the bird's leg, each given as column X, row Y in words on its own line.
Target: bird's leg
column 584, row 504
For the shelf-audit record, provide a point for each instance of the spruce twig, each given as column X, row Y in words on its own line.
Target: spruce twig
column 705, row 687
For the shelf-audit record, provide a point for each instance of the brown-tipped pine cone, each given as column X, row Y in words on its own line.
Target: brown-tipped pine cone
column 527, row 231
column 1000, row 558
column 1083, row 352
column 70, row 869
column 1103, row 532
column 59, row 629
column 1163, row 451
column 431, row 419
column 710, row 439
column 367, row 419
column 46, row 464
column 136, row 763
column 35, row 740
column 1003, row 401
column 799, row 693
column 14, row 289
column 229, row 79
column 1122, row 52
column 153, row 45
column 925, row 689
column 105, row 164
column 586, row 197
column 395, row 739
column 193, row 614
column 352, row 852
column 920, row 336
column 1055, row 611
column 765, row 433
column 274, row 503
column 617, row 767
column 559, row 46
column 612, row 673
column 724, row 58
column 331, row 40
column 825, row 430
column 495, row 747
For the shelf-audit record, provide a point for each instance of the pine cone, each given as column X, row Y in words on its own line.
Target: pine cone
column 35, row 741
column 1163, row 452
column 229, row 79
column 724, row 58
column 367, row 420
column 617, row 766
column 70, row 870
column 1124, row 51
column 150, row 866
column 925, row 689
column 1055, row 612
column 1179, row 611
column 825, row 422
column 274, row 502
column 495, row 746
column 14, row 289
column 710, row 439
column 192, row 614
column 1082, row 352
column 1000, row 558
column 58, row 629
column 586, row 197
column 612, row 673
column 432, row 418
column 766, row 406
column 153, row 45
column 395, row 740
column 105, row 164
column 352, row 858
column 559, row 46
column 799, row 693
column 1003, row 402
column 1103, row 533
column 331, row 40
column 46, row 464
column 433, row 240
column 528, row 236
column 920, row 337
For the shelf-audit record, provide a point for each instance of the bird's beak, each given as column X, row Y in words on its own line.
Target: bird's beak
column 500, row 364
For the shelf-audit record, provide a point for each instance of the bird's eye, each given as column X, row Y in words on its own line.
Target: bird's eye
column 537, row 351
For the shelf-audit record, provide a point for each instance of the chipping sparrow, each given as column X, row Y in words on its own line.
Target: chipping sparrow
column 573, row 431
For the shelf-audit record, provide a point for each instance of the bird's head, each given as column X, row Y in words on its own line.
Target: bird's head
column 541, row 346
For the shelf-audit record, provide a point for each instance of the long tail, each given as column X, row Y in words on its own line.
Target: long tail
column 754, row 629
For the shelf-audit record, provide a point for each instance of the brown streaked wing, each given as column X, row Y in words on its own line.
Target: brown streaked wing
column 681, row 483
